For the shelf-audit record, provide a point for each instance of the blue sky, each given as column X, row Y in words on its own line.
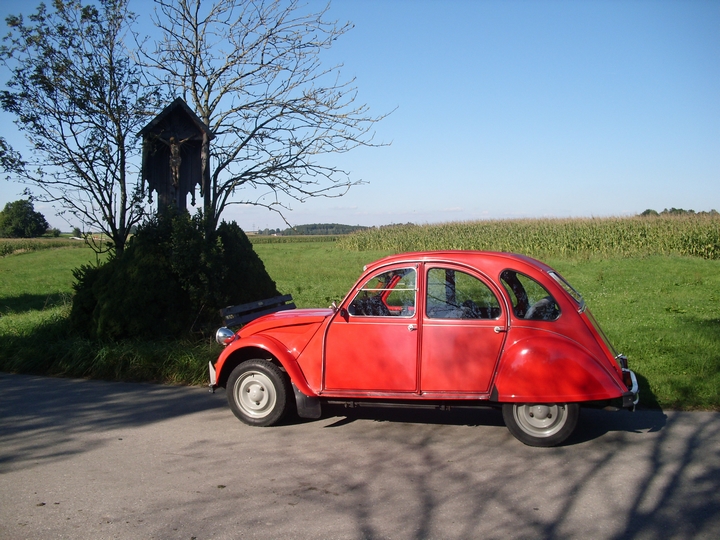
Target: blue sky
column 521, row 109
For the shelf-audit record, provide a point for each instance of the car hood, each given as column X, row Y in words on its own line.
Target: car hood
column 281, row 319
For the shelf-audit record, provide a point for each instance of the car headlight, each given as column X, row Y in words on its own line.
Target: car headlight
column 224, row 336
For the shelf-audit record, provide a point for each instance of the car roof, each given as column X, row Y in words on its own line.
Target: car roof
column 470, row 257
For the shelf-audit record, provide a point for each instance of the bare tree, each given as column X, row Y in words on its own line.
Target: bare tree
column 79, row 100
column 251, row 70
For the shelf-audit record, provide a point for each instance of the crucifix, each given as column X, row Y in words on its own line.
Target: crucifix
column 176, row 146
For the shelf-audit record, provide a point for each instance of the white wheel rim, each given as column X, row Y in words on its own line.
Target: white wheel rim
column 540, row 420
column 255, row 394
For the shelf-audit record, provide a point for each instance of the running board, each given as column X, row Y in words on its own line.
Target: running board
column 438, row 406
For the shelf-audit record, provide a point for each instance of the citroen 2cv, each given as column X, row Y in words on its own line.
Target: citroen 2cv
column 439, row 330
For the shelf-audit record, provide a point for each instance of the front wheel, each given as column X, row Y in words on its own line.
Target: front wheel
column 257, row 392
column 541, row 424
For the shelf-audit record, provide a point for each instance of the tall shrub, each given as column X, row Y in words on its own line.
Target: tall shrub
column 169, row 282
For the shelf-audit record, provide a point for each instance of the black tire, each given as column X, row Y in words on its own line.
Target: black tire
column 258, row 392
column 541, row 424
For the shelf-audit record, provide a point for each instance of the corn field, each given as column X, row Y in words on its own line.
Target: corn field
column 695, row 235
column 8, row 246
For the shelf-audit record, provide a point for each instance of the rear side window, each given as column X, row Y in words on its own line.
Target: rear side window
column 452, row 294
column 530, row 300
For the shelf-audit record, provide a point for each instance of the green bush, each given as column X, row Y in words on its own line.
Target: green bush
column 169, row 282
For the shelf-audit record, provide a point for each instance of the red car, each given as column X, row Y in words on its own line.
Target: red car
column 439, row 330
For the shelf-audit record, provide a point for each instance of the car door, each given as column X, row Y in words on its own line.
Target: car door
column 371, row 345
column 464, row 328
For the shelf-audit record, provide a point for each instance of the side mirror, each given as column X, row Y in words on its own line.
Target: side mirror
column 343, row 312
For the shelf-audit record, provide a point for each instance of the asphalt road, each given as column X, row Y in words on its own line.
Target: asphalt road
column 88, row 459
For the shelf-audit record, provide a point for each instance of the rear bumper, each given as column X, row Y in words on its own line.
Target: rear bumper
column 631, row 398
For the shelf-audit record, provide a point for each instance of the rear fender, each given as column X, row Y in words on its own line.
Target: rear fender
column 260, row 346
column 553, row 369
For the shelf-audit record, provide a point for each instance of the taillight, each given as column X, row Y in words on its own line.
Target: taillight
column 627, row 378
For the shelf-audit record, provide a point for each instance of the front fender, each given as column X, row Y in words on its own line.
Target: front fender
column 553, row 369
column 257, row 344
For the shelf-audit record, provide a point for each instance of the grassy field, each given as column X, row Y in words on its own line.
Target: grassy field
column 663, row 311
column 315, row 273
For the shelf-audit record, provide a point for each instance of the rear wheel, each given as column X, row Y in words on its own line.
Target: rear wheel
column 257, row 391
column 541, row 424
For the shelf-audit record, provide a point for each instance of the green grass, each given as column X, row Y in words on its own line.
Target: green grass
column 315, row 273
column 663, row 311
column 39, row 279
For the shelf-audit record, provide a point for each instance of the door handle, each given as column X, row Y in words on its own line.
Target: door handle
column 499, row 329
column 412, row 327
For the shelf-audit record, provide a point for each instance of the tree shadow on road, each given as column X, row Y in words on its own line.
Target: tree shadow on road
column 646, row 474
column 40, row 417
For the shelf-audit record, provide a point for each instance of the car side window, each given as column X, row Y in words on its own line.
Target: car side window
column 530, row 300
column 452, row 294
column 388, row 294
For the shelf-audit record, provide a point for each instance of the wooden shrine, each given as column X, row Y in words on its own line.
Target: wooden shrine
column 176, row 150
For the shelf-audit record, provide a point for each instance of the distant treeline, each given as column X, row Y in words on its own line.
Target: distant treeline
column 313, row 229
column 677, row 212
